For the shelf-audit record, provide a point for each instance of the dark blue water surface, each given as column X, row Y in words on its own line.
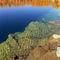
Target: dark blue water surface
column 15, row 19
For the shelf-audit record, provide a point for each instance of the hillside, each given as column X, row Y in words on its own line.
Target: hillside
column 37, row 53
column 44, row 53
column 49, row 56
column 41, row 54
column 9, row 3
column 35, row 39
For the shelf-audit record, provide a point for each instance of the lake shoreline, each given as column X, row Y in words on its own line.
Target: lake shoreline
column 57, row 22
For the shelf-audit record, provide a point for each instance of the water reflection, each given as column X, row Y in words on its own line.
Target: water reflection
column 9, row 3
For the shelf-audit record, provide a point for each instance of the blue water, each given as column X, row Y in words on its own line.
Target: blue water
column 15, row 19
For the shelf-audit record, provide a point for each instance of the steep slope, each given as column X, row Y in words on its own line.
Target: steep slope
column 37, row 53
column 51, row 55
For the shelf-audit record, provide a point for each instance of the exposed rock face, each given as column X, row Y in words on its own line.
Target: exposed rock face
column 9, row 3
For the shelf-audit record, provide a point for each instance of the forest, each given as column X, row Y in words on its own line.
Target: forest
column 19, row 45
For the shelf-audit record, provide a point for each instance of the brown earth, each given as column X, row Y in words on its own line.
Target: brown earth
column 37, row 53
column 55, row 22
column 40, row 54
